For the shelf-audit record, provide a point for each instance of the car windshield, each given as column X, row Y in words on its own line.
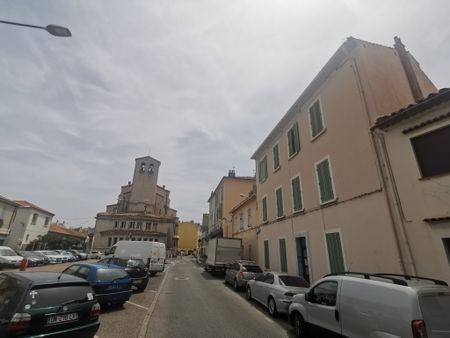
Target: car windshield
column 109, row 274
column 253, row 268
column 7, row 252
column 293, row 281
column 135, row 263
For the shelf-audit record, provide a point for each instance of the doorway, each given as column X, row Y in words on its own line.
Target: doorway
column 302, row 258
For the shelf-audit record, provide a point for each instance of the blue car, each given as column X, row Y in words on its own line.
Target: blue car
column 111, row 283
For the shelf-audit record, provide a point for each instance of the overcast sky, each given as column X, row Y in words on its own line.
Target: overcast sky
column 196, row 84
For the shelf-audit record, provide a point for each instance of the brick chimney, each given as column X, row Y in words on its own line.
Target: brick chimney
column 409, row 71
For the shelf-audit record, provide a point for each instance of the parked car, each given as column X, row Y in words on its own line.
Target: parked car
column 53, row 257
column 9, row 258
column 135, row 267
column 275, row 290
column 111, row 283
column 67, row 255
column 33, row 259
column 95, row 255
column 240, row 272
column 40, row 255
column 46, row 304
column 373, row 305
column 81, row 255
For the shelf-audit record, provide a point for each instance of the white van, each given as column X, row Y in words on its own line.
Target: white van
column 152, row 253
column 373, row 305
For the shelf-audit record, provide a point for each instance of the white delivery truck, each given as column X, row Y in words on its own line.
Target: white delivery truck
column 221, row 252
column 152, row 253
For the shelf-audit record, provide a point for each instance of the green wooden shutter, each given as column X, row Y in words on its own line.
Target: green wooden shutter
column 296, row 138
column 290, row 142
column 335, row 254
column 325, row 182
column 296, row 194
column 264, row 209
column 276, row 157
column 266, row 255
column 280, row 211
column 283, row 256
column 315, row 116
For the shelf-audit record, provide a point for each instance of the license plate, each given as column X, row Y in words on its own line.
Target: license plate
column 59, row 319
column 137, row 281
column 114, row 287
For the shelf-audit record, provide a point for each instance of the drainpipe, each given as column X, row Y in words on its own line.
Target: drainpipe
column 395, row 202
column 399, row 233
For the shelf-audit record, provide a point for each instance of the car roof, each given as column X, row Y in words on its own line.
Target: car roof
column 45, row 278
column 97, row 266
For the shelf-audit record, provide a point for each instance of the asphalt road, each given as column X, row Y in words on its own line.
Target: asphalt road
column 192, row 303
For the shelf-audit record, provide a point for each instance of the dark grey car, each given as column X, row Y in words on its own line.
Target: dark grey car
column 240, row 272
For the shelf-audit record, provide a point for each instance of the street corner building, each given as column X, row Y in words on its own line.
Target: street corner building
column 142, row 212
column 323, row 205
column 23, row 224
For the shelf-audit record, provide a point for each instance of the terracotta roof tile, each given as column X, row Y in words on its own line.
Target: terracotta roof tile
column 26, row 204
column 61, row 230
column 430, row 101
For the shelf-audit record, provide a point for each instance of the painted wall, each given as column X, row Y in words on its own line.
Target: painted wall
column 188, row 233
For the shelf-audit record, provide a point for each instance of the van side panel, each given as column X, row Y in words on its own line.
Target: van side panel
column 370, row 309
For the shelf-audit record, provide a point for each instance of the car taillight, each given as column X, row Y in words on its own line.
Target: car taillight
column 418, row 328
column 19, row 322
column 95, row 311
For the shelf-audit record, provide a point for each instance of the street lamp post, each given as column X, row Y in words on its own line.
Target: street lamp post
column 52, row 29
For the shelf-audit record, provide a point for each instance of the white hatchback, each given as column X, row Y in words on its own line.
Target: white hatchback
column 9, row 258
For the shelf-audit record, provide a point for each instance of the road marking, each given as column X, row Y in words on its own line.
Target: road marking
column 151, row 290
column 181, row 278
column 142, row 307
column 146, row 321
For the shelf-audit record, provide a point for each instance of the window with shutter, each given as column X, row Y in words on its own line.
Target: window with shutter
column 249, row 217
column 264, row 209
column 283, row 256
column 335, row 255
column 262, row 169
column 297, row 202
column 280, row 209
column 266, row 254
column 316, row 119
column 276, row 157
column 325, row 181
column 293, row 140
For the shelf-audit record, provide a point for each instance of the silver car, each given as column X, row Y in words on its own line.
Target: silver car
column 240, row 272
column 275, row 290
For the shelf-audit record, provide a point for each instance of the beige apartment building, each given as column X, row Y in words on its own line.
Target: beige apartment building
column 414, row 144
column 230, row 191
column 188, row 236
column 245, row 225
column 142, row 211
column 322, row 204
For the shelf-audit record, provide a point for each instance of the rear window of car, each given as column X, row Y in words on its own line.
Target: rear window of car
column 10, row 291
column 253, row 268
column 435, row 310
column 108, row 275
column 135, row 263
column 294, row 281
column 51, row 295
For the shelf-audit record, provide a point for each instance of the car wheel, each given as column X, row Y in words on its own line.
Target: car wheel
column 299, row 325
column 272, row 307
column 235, row 285
column 249, row 293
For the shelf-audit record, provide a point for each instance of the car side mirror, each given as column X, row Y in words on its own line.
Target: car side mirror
column 308, row 297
